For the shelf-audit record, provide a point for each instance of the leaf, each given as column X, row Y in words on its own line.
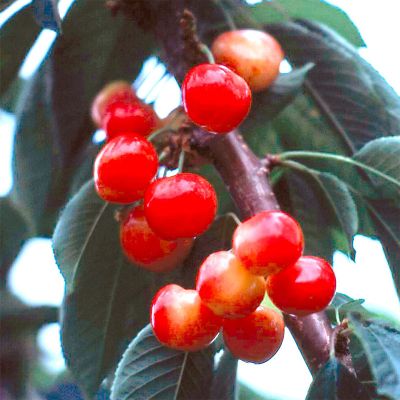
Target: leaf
column 106, row 297
column 150, row 370
column 17, row 36
column 383, row 155
column 382, row 346
column 343, row 305
column 321, row 11
column 46, row 13
column 344, row 87
column 13, row 233
column 282, row 91
column 335, row 382
column 53, row 125
column 224, row 385
column 320, row 199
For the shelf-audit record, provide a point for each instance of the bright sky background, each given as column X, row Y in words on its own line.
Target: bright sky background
column 35, row 278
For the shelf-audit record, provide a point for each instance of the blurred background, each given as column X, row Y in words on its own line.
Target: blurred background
column 35, row 279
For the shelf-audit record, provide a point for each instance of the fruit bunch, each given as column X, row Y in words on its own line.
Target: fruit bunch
column 266, row 256
column 157, row 233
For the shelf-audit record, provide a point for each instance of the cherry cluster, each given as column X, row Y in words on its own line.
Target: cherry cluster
column 169, row 212
column 266, row 256
column 158, row 233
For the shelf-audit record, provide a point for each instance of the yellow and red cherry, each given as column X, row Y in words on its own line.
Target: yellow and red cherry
column 181, row 321
column 252, row 54
column 255, row 338
column 227, row 287
column 268, row 242
column 146, row 249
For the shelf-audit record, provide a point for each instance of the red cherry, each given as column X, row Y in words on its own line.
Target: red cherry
column 181, row 321
column 143, row 247
column 268, row 242
column 215, row 98
column 124, row 116
column 124, row 168
column 254, row 55
column 180, row 206
column 306, row 287
column 227, row 287
column 114, row 91
column 255, row 338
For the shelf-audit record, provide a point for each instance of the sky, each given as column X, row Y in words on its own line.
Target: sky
column 39, row 282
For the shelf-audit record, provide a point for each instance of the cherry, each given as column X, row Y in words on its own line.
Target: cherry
column 255, row 338
column 227, row 287
column 268, row 242
column 180, row 206
column 215, row 98
column 114, row 91
column 306, row 287
column 129, row 116
column 144, row 248
column 181, row 321
column 254, row 55
column 124, row 168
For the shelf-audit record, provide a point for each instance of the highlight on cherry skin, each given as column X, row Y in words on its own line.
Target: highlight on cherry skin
column 129, row 117
column 227, row 287
column 180, row 206
column 112, row 92
column 255, row 338
column 306, row 287
column 181, row 321
column 215, row 97
column 146, row 249
column 252, row 54
column 268, row 242
column 124, row 168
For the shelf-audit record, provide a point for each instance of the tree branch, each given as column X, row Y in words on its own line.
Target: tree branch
column 245, row 176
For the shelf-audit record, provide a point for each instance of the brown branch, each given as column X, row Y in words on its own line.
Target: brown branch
column 245, row 176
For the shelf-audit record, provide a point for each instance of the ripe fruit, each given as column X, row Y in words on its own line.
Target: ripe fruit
column 227, row 287
column 124, row 116
column 305, row 287
column 255, row 338
column 124, row 168
column 215, row 98
column 268, row 242
column 114, row 91
column 181, row 321
column 180, row 206
column 254, row 55
column 143, row 247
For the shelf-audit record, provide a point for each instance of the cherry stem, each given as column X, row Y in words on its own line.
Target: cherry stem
column 181, row 160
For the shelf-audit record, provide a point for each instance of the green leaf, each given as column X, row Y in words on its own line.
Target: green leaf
column 320, row 199
column 53, row 124
column 348, row 91
column 317, row 10
column 382, row 346
column 13, row 233
column 106, row 297
column 267, row 104
column 335, row 382
column 46, row 13
column 16, row 37
column 342, row 305
column 224, row 385
column 150, row 370
column 383, row 155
